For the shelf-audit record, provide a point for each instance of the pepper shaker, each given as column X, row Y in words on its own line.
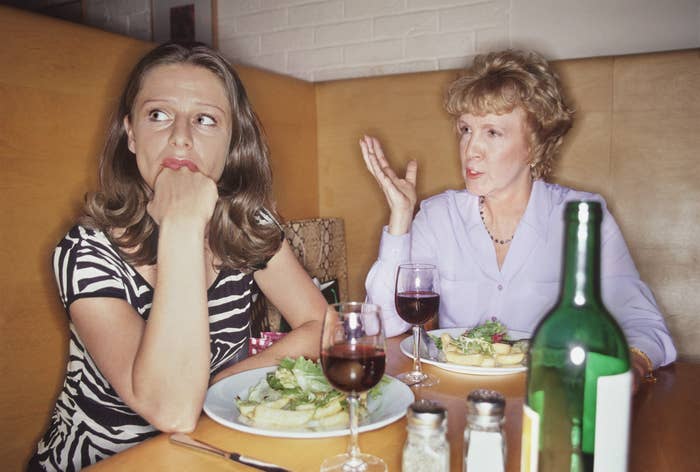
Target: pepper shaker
column 484, row 441
column 426, row 448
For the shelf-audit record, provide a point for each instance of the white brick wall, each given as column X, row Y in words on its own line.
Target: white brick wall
column 127, row 17
column 331, row 39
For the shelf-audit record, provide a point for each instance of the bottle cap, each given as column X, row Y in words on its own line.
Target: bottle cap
column 485, row 403
column 426, row 414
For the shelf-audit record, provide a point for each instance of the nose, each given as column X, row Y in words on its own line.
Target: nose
column 471, row 146
column 181, row 135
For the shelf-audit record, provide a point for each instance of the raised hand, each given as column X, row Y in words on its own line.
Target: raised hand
column 183, row 194
column 400, row 192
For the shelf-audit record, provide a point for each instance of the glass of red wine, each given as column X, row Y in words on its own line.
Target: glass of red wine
column 417, row 299
column 353, row 360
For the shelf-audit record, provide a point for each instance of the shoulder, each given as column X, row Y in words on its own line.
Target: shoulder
column 445, row 201
column 558, row 195
column 82, row 238
column 86, row 246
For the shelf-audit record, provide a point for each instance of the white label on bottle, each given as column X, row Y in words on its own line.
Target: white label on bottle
column 485, row 452
column 612, row 420
column 530, row 450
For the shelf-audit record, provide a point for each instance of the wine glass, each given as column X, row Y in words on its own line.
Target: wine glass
column 353, row 360
column 417, row 300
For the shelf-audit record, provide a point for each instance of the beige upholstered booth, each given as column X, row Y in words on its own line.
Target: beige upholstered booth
column 636, row 141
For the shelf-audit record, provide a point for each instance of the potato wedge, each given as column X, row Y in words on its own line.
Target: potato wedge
column 274, row 416
column 341, row 418
column 331, row 408
column 276, row 404
column 446, row 343
column 247, row 409
column 501, row 348
column 488, row 361
column 510, row 359
column 464, row 359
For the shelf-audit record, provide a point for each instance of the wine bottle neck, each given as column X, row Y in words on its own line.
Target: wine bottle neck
column 581, row 280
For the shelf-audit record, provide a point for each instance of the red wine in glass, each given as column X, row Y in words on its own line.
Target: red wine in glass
column 417, row 306
column 417, row 299
column 353, row 367
column 353, row 360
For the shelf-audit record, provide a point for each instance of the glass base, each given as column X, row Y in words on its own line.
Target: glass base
column 363, row 463
column 418, row 379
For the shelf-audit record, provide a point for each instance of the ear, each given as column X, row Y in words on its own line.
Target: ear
column 131, row 143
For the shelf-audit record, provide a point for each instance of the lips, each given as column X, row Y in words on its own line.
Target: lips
column 176, row 164
column 472, row 174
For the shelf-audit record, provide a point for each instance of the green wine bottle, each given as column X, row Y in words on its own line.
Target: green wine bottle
column 579, row 386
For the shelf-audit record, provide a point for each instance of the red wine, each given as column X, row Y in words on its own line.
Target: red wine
column 353, row 367
column 417, row 307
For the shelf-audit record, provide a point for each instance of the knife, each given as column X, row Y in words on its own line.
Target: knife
column 185, row 440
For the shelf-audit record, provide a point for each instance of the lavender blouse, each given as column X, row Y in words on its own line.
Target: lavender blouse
column 448, row 232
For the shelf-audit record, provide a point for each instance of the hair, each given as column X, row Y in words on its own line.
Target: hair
column 237, row 234
column 499, row 82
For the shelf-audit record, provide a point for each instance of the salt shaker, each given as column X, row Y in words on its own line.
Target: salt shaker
column 426, row 448
column 484, row 441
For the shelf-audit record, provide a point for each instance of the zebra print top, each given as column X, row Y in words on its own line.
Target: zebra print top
column 90, row 421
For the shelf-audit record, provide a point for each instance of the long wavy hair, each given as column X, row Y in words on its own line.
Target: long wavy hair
column 499, row 82
column 238, row 235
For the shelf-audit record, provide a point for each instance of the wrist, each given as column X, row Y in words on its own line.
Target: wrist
column 399, row 223
column 643, row 365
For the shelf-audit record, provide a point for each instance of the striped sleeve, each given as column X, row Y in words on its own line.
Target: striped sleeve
column 86, row 265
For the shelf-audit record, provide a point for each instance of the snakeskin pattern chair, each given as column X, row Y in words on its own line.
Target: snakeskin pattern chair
column 319, row 244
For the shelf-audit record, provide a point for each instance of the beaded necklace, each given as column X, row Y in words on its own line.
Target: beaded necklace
column 481, row 213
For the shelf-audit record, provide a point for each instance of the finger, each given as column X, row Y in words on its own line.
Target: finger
column 411, row 172
column 370, row 158
column 365, row 155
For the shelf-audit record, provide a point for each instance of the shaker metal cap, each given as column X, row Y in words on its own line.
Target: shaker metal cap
column 426, row 413
column 484, row 402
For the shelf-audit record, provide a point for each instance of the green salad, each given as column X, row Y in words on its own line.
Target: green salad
column 297, row 394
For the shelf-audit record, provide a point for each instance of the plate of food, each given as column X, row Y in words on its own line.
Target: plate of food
column 294, row 400
column 487, row 349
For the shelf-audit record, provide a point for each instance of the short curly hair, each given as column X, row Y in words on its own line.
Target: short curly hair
column 499, row 82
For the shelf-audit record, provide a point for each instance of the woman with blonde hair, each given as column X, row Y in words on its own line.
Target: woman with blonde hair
column 498, row 243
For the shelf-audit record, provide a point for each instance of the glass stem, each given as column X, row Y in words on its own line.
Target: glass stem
column 353, row 448
column 416, row 349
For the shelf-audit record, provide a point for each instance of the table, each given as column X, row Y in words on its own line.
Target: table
column 665, row 434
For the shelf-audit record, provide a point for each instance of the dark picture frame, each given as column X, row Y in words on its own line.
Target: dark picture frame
column 184, row 20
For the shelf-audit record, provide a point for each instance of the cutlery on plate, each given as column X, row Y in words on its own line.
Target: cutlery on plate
column 185, row 440
column 428, row 348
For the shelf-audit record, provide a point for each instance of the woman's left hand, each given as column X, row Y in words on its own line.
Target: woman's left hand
column 639, row 370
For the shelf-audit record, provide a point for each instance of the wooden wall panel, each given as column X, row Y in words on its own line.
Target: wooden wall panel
column 58, row 83
column 405, row 112
column 287, row 109
column 656, row 176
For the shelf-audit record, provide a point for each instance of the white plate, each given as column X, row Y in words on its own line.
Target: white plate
column 407, row 348
column 219, row 405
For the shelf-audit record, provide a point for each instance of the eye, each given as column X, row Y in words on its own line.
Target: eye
column 206, row 120
column 463, row 129
column 157, row 115
column 493, row 133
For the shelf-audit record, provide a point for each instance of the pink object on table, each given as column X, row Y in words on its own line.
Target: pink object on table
column 267, row 339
